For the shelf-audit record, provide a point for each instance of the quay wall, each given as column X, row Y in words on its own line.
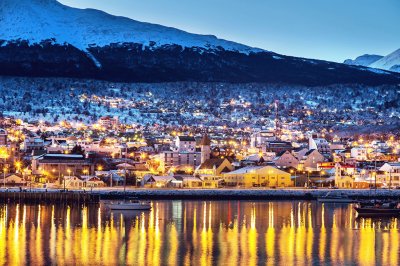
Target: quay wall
column 95, row 195
column 245, row 194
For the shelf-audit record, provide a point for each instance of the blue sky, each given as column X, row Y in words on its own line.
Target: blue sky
column 325, row 29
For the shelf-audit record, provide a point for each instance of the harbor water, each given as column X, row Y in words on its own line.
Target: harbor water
column 183, row 232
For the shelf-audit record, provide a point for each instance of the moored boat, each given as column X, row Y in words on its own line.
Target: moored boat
column 129, row 205
column 378, row 209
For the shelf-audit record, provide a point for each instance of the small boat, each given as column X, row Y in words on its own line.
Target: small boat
column 378, row 209
column 129, row 205
column 332, row 197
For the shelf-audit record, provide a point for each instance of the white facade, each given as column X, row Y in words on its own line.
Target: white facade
column 260, row 137
column 359, row 153
column 184, row 144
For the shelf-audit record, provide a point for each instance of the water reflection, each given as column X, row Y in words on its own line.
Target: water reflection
column 196, row 232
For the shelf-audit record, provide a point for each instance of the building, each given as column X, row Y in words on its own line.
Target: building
column 210, row 181
column 182, row 154
column 13, row 180
column 260, row 137
column 32, row 144
column 390, row 175
column 258, row 176
column 310, row 160
column 57, row 165
column 286, row 159
column 3, row 137
column 154, row 181
column 215, row 167
column 359, row 153
column 184, row 144
column 72, row 182
column 109, row 122
column 278, row 146
column 346, row 176
column 319, row 144
column 205, row 146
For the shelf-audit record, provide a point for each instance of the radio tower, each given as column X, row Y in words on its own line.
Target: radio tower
column 278, row 126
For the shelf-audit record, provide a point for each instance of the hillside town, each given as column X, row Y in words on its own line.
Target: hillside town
column 109, row 153
column 341, row 108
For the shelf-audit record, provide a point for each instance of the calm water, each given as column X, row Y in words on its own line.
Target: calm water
column 197, row 233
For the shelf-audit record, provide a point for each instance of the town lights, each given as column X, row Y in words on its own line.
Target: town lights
column 18, row 165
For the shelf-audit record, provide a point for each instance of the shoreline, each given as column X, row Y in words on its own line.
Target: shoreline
column 215, row 194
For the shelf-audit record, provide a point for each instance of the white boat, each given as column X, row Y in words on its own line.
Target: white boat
column 332, row 197
column 129, row 205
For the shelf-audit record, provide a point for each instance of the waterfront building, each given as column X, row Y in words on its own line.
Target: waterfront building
column 258, row 176
column 390, row 174
column 58, row 165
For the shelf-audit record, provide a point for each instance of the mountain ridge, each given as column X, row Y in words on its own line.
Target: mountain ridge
column 46, row 38
column 390, row 62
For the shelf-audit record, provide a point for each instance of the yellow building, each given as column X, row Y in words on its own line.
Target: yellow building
column 214, row 166
column 344, row 182
column 258, row 176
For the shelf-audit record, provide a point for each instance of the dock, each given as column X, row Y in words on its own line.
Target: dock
column 54, row 197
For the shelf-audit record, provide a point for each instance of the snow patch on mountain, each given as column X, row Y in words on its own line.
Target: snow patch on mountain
column 363, row 60
column 38, row 20
column 390, row 62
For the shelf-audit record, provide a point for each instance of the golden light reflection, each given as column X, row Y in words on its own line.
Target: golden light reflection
column 197, row 233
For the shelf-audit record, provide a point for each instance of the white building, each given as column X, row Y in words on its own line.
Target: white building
column 260, row 137
column 184, row 144
column 183, row 153
column 32, row 144
column 390, row 175
column 320, row 144
column 359, row 153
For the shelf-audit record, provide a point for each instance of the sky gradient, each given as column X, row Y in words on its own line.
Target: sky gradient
column 322, row 29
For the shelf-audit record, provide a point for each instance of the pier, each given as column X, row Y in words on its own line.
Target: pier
column 58, row 197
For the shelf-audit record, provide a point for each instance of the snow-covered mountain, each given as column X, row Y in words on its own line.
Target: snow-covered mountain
column 38, row 20
column 363, row 60
column 390, row 62
column 46, row 38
